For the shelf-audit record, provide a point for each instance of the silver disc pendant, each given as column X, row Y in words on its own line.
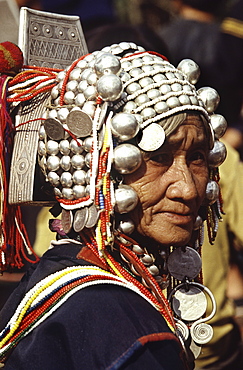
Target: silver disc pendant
column 153, row 136
column 93, row 215
column 79, row 123
column 67, row 220
column 201, row 333
column 80, row 219
column 189, row 305
column 54, row 129
column 184, row 263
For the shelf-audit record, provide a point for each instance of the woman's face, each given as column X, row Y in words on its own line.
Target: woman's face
column 171, row 185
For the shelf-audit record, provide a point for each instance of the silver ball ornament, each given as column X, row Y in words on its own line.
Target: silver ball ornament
column 126, row 199
column 219, row 125
column 127, row 158
column 126, row 226
column 124, row 126
column 109, row 87
column 209, row 97
column 190, row 69
column 212, row 191
column 107, row 64
column 217, row 155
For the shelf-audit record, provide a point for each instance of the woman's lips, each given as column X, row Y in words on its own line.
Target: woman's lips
column 179, row 218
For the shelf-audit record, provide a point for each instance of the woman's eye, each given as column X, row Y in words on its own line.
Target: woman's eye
column 162, row 158
column 198, row 157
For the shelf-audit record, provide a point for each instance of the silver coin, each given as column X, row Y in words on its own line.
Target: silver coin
column 67, row 220
column 184, row 262
column 189, row 305
column 54, row 129
column 80, row 219
column 93, row 215
column 153, row 136
column 79, row 123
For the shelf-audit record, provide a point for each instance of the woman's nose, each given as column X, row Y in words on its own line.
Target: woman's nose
column 182, row 185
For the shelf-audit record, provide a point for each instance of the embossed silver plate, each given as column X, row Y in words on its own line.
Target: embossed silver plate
column 50, row 40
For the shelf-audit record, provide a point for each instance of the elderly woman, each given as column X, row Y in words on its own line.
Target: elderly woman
column 131, row 150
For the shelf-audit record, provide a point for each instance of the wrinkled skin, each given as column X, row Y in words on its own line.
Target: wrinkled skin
column 171, row 185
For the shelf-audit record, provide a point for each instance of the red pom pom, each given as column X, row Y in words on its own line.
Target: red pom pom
column 11, row 58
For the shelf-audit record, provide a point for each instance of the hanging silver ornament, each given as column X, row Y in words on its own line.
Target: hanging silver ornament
column 126, row 199
column 124, row 126
column 217, row 155
column 189, row 304
column 182, row 330
column 190, row 69
column 209, row 97
column 109, row 87
column 153, row 136
column 127, row 158
column 201, row 333
column 107, row 64
column 126, row 226
column 184, row 262
column 198, row 223
column 212, row 191
column 219, row 125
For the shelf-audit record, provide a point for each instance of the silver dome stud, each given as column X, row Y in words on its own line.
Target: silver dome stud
column 190, row 69
column 126, row 199
column 124, row 126
column 127, row 158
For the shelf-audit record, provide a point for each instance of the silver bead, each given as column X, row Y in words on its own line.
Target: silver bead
column 88, row 143
column 87, row 159
column 57, row 192
column 212, row 191
column 80, row 99
column 62, row 114
column 198, row 223
column 85, row 73
column 65, row 162
column 135, row 72
column 53, row 163
column 133, row 87
column 66, row 179
column 129, row 106
column 90, row 93
column 173, row 102
column 170, row 75
column 75, row 74
column 184, row 99
column 72, row 85
column 53, row 178
column 160, row 107
column 137, row 249
column 209, row 97
column 52, row 113
column 64, row 147
column 92, row 78
column 82, row 86
column 147, row 59
column 124, row 76
column 124, row 126
column 194, row 100
column 77, row 161
column 87, row 177
column 165, row 89
column 67, row 193
column 217, row 155
column 153, row 270
column 82, row 64
column 76, row 146
column 159, row 77
column 153, row 93
column 107, row 64
column 190, row 69
column 60, row 76
column 87, row 190
column 126, row 226
column 89, row 108
column 41, row 148
column 79, row 191
column 147, row 69
column 146, row 81
column 52, row 147
column 42, row 132
column 69, row 97
column 79, row 177
column 176, row 87
column 141, row 99
column 109, row 87
column 54, row 92
column 147, row 259
column 219, row 125
column 147, row 113
column 127, row 158
column 137, row 62
column 126, row 199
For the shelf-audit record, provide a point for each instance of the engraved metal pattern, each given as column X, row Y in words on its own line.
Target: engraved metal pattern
column 50, row 40
column 22, row 171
